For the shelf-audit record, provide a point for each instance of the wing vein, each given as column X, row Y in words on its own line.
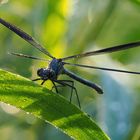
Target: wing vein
column 103, row 68
column 25, row 36
column 105, row 50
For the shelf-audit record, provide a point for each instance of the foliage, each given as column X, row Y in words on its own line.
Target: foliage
column 68, row 27
column 32, row 98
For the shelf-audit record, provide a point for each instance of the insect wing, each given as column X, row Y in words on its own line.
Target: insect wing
column 104, row 51
column 25, row 36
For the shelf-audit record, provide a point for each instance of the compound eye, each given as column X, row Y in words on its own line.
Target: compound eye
column 40, row 72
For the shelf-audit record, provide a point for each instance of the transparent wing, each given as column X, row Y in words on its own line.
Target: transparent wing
column 102, row 68
column 28, row 56
column 106, row 50
column 25, row 36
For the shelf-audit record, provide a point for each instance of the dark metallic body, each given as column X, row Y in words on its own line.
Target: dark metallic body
column 54, row 69
column 56, row 66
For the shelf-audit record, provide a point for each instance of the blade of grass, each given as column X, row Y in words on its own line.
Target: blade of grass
column 54, row 109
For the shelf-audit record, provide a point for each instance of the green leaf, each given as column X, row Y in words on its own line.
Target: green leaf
column 42, row 103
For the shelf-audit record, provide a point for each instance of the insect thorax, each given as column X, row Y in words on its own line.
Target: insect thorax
column 54, row 69
column 56, row 65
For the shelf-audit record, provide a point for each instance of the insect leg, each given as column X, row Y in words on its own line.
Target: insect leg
column 43, row 82
column 65, row 82
column 72, row 82
column 54, row 86
column 37, row 79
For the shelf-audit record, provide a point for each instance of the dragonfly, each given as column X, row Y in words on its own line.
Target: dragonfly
column 56, row 66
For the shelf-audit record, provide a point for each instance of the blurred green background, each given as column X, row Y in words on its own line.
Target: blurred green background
column 67, row 27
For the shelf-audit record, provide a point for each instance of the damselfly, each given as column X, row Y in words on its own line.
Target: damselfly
column 56, row 65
